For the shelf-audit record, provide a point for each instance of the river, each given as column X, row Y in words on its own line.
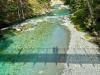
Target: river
column 38, row 50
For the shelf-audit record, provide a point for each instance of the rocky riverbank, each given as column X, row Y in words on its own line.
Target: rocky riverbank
column 85, row 60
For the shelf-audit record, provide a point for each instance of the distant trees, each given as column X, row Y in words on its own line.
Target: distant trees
column 16, row 10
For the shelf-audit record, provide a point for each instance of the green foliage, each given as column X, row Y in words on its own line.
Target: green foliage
column 16, row 10
column 97, row 11
column 78, row 26
column 80, row 13
column 86, row 17
column 85, row 13
column 67, row 1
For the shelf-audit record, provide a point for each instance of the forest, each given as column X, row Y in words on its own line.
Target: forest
column 12, row 11
column 86, row 16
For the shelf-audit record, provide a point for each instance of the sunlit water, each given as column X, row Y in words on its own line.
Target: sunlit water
column 39, row 44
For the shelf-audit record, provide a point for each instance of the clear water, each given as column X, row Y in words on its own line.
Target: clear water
column 35, row 49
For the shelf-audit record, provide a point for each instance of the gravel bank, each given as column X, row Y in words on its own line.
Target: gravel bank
column 83, row 57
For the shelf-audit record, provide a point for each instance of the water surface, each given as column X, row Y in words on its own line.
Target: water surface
column 42, row 44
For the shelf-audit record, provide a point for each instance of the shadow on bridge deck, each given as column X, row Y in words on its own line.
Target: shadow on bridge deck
column 56, row 56
column 52, row 58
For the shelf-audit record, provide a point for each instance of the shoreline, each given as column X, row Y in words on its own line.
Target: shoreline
column 80, row 46
column 75, row 33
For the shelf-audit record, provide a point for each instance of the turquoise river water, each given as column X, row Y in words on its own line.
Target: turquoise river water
column 37, row 50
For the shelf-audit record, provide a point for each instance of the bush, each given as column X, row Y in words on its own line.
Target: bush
column 80, row 13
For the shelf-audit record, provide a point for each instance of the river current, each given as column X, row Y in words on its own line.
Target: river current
column 38, row 50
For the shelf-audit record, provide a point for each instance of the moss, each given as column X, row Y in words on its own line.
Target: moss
column 88, row 37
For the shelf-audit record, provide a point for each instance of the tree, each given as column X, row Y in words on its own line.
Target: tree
column 17, row 10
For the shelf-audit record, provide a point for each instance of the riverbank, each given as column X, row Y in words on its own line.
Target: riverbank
column 38, row 43
column 86, row 63
column 77, row 35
